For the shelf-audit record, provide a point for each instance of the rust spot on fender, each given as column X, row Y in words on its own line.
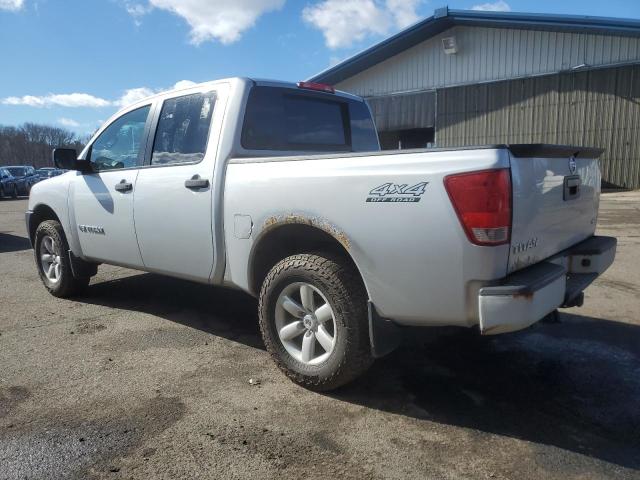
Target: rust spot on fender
column 528, row 296
column 318, row 222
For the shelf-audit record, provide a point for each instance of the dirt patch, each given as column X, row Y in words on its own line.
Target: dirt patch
column 619, row 285
column 89, row 328
column 284, row 450
column 10, row 397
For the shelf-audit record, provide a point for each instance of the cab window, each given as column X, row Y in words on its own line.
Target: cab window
column 119, row 145
column 289, row 119
column 183, row 129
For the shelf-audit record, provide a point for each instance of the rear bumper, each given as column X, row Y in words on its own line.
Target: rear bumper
column 528, row 295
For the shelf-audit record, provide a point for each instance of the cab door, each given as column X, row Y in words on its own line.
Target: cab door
column 102, row 201
column 174, row 191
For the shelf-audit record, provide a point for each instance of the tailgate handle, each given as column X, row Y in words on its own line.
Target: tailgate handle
column 572, row 187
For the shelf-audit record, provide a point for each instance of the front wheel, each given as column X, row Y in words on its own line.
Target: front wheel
column 52, row 260
column 313, row 319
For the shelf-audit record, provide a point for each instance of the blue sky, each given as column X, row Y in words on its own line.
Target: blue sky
column 74, row 62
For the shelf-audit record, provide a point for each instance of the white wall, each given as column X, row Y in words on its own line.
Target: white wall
column 487, row 54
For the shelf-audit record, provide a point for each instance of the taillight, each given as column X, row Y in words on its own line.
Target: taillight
column 320, row 87
column 482, row 201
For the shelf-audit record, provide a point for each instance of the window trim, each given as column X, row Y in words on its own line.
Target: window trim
column 155, row 123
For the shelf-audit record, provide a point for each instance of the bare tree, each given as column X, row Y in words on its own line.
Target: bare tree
column 32, row 144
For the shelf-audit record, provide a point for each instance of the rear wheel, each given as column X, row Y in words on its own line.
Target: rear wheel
column 313, row 319
column 53, row 263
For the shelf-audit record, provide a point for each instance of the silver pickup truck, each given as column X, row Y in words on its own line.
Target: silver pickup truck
column 280, row 190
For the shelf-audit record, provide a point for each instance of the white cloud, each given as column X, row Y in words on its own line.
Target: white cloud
column 11, row 5
column 344, row 22
column 137, row 11
column 497, row 6
column 133, row 95
column 74, row 100
column 184, row 84
column 404, row 11
column 60, row 100
column 68, row 122
column 222, row 20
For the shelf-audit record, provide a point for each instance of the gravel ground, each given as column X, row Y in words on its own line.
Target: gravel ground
column 148, row 377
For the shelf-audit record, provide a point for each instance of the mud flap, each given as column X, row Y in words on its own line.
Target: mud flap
column 384, row 335
column 80, row 268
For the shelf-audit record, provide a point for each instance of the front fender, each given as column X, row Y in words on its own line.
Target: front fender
column 49, row 197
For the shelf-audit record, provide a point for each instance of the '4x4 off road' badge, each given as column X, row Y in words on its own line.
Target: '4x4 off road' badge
column 400, row 193
column 572, row 165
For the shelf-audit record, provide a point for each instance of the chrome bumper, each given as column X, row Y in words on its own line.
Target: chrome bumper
column 528, row 295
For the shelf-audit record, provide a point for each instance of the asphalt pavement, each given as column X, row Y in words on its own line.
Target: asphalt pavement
column 149, row 377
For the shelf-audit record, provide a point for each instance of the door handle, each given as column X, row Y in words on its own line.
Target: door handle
column 196, row 182
column 124, row 186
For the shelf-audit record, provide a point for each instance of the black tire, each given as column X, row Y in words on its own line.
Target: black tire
column 1, row 192
column 67, row 285
column 342, row 287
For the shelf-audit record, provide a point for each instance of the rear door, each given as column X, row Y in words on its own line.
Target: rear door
column 102, row 201
column 556, row 192
column 173, row 201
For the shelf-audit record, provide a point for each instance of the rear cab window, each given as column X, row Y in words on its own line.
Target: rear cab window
column 293, row 120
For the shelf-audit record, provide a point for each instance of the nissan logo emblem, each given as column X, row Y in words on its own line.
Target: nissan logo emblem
column 572, row 164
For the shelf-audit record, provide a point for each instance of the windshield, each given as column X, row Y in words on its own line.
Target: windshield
column 17, row 171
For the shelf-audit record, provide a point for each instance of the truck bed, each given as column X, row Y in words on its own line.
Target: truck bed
column 417, row 263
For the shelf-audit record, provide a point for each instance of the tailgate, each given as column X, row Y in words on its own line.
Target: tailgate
column 556, row 191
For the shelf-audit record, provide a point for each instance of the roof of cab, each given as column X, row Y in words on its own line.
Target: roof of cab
column 246, row 80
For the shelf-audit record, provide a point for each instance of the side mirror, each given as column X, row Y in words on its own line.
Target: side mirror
column 67, row 159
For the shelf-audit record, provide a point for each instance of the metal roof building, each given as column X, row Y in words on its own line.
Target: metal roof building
column 468, row 77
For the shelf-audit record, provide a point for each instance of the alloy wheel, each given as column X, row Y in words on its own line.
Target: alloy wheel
column 50, row 261
column 305, row 323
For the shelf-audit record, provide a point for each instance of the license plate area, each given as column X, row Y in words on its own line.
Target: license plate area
column 571, row 187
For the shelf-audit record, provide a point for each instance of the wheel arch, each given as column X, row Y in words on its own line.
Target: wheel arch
column 41, row 213
column 289, row 236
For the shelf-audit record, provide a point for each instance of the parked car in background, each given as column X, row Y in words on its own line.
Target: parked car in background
column 8, row 184
column 26, row 177
column 48, row 172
